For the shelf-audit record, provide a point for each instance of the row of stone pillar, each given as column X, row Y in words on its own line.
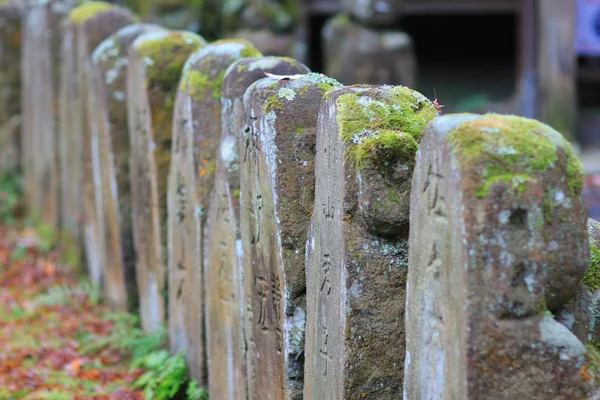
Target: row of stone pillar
column 275, row 226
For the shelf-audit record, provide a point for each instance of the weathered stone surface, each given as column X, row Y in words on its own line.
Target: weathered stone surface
column 154, row 68
column 357, row 246
column 356, row 54
column 86, row 26
column 277, row 192
column 375, row 12
column 224, row 292
column 40, row 77
column 111, row 152
column 90, row 31
column 10, row 86
column 196, row 138
column 497, row 239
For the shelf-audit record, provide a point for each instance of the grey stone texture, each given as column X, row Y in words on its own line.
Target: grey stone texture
column 196, row 137
column 498, row 241
column 357, row 257
column 277, row 193
column 225, row 303
column 110, row 149
column 154, row 68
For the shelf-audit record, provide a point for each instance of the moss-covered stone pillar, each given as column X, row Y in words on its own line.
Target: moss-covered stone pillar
column 10, row 85
column 196, row 137
column 277, row 193
column 111, row 150
column 86, row 26
column 154, row 68
column 361, row 54
column 357, row 247
column 498, row 240
column 225, row 304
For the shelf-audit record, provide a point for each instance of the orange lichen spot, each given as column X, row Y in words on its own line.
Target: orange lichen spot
column 584, row 373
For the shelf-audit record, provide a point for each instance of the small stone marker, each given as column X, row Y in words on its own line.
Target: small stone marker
column 498, row 239
column 87, row 26
column 374, row 12
column 277, row 193
column 356, row 264
column 154, row 68
column 224, row 290
column 111, row 149
column 357, row 54
column 196, row 137
column 10, row 86
column 40, row 73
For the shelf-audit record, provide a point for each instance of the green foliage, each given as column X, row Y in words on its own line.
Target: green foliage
column 196, row 393
column 11, row 189
column 165, row 375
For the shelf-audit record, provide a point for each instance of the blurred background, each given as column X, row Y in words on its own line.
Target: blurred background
column 535, row 58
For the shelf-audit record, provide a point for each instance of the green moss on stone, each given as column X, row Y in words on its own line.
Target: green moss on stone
column 166, row 54
column 198, row 83
column 592, row 276
column 386, row 128
column 86, row 11
column 511, row 149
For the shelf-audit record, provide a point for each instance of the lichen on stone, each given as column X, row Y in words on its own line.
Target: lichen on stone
column 511, row 150
column 86, row 11
column 286, row 93
column 383, row 127
column 592, row 276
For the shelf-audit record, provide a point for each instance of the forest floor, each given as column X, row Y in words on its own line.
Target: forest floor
column 58, row 341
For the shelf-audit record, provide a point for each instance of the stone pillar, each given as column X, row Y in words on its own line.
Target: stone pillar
column 580, row 313
column 557, row 65
column 10, row 86
column 498, row 240
column 196, row 137
column 154, row 68
column 277, row 192
column 111, row 151
column 40, row 82
column 224, row 276
column 86, row 26
column 360, row 54
column 357, row 247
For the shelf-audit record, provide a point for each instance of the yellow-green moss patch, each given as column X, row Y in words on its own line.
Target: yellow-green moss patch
column 165, row 54
column 512, row 150
column 86, row 11
column 592, row 277
column 382, row 125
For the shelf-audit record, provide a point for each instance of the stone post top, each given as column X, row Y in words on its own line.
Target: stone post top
column 507, row 148
column 245, row 71
column 234, row 48
column 284, row 87
column 111, row 46
column 87, row 11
